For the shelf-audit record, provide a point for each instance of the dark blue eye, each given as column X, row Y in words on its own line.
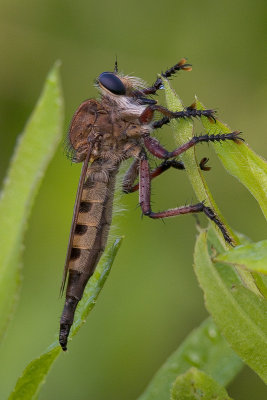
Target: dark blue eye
column 111, row 82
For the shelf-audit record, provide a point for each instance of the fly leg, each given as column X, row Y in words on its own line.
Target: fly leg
column 189, row 112
column 181, row 65
column 145, row 202
column 155, row 148
column 130, row 176
column 132, row 173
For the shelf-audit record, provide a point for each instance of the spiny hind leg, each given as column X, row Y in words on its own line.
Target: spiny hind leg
column 145, row 201
column 155, row 148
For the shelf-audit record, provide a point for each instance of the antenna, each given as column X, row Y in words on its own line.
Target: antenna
column 116, row 65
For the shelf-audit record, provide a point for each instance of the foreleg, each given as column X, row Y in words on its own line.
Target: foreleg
column 189, row 112
column 181, row 65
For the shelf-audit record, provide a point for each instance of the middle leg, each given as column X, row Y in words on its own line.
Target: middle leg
column 128, row 185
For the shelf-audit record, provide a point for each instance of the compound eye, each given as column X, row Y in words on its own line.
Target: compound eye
column 112, row 83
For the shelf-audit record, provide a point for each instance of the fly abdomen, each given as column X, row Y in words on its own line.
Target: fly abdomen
column 89, row 239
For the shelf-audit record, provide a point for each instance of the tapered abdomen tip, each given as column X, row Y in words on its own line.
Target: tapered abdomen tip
column 63, row 336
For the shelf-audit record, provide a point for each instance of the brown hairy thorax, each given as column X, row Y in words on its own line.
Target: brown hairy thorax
column 112, row 124
column 102, row 134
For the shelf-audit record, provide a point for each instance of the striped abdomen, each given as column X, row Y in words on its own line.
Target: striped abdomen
column 89, row 239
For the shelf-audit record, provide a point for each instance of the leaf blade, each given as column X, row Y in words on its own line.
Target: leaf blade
column 196, row 385
column 204, row 348
column 252, row 256
column 35, row 373
column 33, row 152
column 183, row 131
column 238, row 312
column 241, row 162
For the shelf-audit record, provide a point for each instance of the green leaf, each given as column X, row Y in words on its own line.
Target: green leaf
column 35, row 148
column 251, row 256
column 196, row 385
column 241, row 162
column 34, row 375
column 239, row 313
column 183, row 131
column 94, row 287
column 206, row 349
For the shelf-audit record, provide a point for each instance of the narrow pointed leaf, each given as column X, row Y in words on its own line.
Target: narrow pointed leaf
column 33, row 152
column 183, row 131
column 34, row 375
column 251, row 256
column 241, row 162
column 204, row 348
column 239, row 313
column 196, row 385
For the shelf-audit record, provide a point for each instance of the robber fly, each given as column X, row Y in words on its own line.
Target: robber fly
column 102, row 135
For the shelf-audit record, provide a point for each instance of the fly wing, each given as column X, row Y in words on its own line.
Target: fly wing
column 80, row 142
column 75, row 216
column 81, row 129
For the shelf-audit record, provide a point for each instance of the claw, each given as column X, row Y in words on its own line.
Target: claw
column 203, row 165
column 193, row 106
column 182, row 62
column 236, row 137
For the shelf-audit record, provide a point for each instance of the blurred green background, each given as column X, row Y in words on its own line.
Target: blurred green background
column 151, row 300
